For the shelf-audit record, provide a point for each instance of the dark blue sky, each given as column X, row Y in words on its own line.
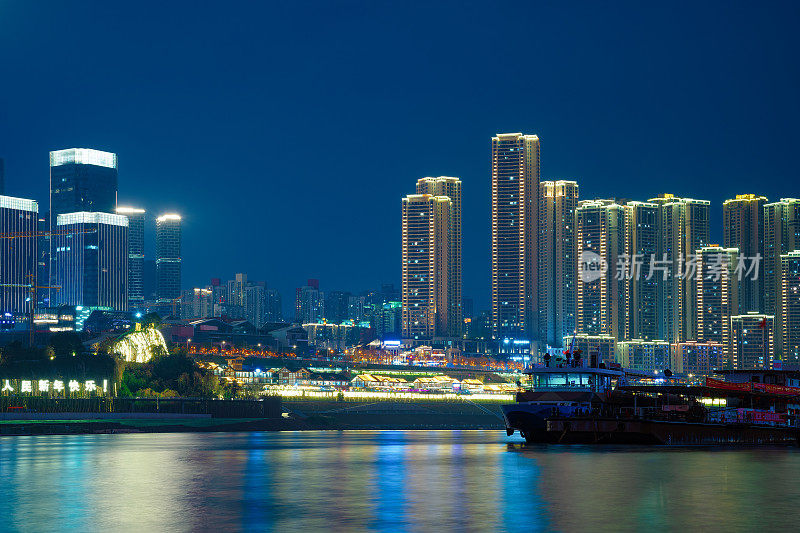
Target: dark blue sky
column 286, row 133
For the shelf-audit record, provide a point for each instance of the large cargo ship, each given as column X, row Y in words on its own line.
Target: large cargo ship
column 572, row 403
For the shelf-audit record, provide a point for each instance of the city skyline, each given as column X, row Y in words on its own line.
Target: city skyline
column 454, row 266
column 684, row 223
column 591, row 132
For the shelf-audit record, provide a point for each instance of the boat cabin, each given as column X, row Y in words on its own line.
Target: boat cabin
column 572, row 379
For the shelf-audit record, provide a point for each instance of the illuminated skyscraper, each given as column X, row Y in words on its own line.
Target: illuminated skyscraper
column 717, row 290
column 781, row 236
column 18, row 217
column 82, row 179
column 644, row 356
column 601, row 301
column 197, row 303
column 90, row 260
column 255, row 304
column 790, row 307
column 136, row 218
column 683, row 229
column 274, row 311
column 515, row 184
column 451, row 188
column 743, row 228
column 752, row 342
column 236, row 294
column 557, row 261
column 168, row 257
column 309, row 303
column 641, row 293
column 697, row 358
column 426, row 266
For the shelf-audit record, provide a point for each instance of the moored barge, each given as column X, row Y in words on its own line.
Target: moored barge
column 574, row 404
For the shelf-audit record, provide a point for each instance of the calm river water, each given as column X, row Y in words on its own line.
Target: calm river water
column 386, row 481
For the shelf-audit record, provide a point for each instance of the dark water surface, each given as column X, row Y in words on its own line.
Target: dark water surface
column 387, row 481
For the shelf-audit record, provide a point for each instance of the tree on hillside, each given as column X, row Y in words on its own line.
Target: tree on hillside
column 66, row 344
column 151, row 319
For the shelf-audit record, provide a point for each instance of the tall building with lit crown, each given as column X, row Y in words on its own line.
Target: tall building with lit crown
column 781, row 236
column 18, row 256
column 743, row 228
column 426, row 258
column 515, row 182
column 717, row 290
column 197, row 303
column 752, row 341
column 601, row 300
column 82, row 180
column 641, row 293
column 557, row 267
column 168, row 257
column 136, row 221
column 683, row 228
column 790, row 307
column 90, row 260
column 451, row 188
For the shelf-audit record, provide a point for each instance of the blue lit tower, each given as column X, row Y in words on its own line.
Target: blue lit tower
column 168, row 257
column 18, row 225
column 82, row 179
column 136, row 221
column 90, row 260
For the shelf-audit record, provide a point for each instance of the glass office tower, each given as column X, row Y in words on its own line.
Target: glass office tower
column 136, row 220
column 168, row 257
column 90, row 260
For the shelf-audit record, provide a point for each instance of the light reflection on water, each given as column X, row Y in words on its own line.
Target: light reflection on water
column 386, row 480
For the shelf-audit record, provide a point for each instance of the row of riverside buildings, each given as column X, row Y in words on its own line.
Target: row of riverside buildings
column 85, row 252
column 681, row 301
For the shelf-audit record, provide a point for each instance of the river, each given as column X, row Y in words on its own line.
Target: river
column 386, row 481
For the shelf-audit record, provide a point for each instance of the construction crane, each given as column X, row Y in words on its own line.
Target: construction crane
column 33, row 286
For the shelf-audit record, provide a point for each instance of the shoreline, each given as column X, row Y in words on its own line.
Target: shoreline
column 212, row 425
column 46, row 426
column 297, row 415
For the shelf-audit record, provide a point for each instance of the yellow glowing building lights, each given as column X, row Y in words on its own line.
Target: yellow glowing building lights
column 790, row 307
column 515, row 181
column 717, row 296
column 557, row 260
column 600, row 301
column 426, row 294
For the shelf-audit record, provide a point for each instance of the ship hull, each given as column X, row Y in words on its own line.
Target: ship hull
column 529, row 419
column 615, row 431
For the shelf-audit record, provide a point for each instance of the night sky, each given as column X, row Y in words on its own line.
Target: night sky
column 287, row 133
